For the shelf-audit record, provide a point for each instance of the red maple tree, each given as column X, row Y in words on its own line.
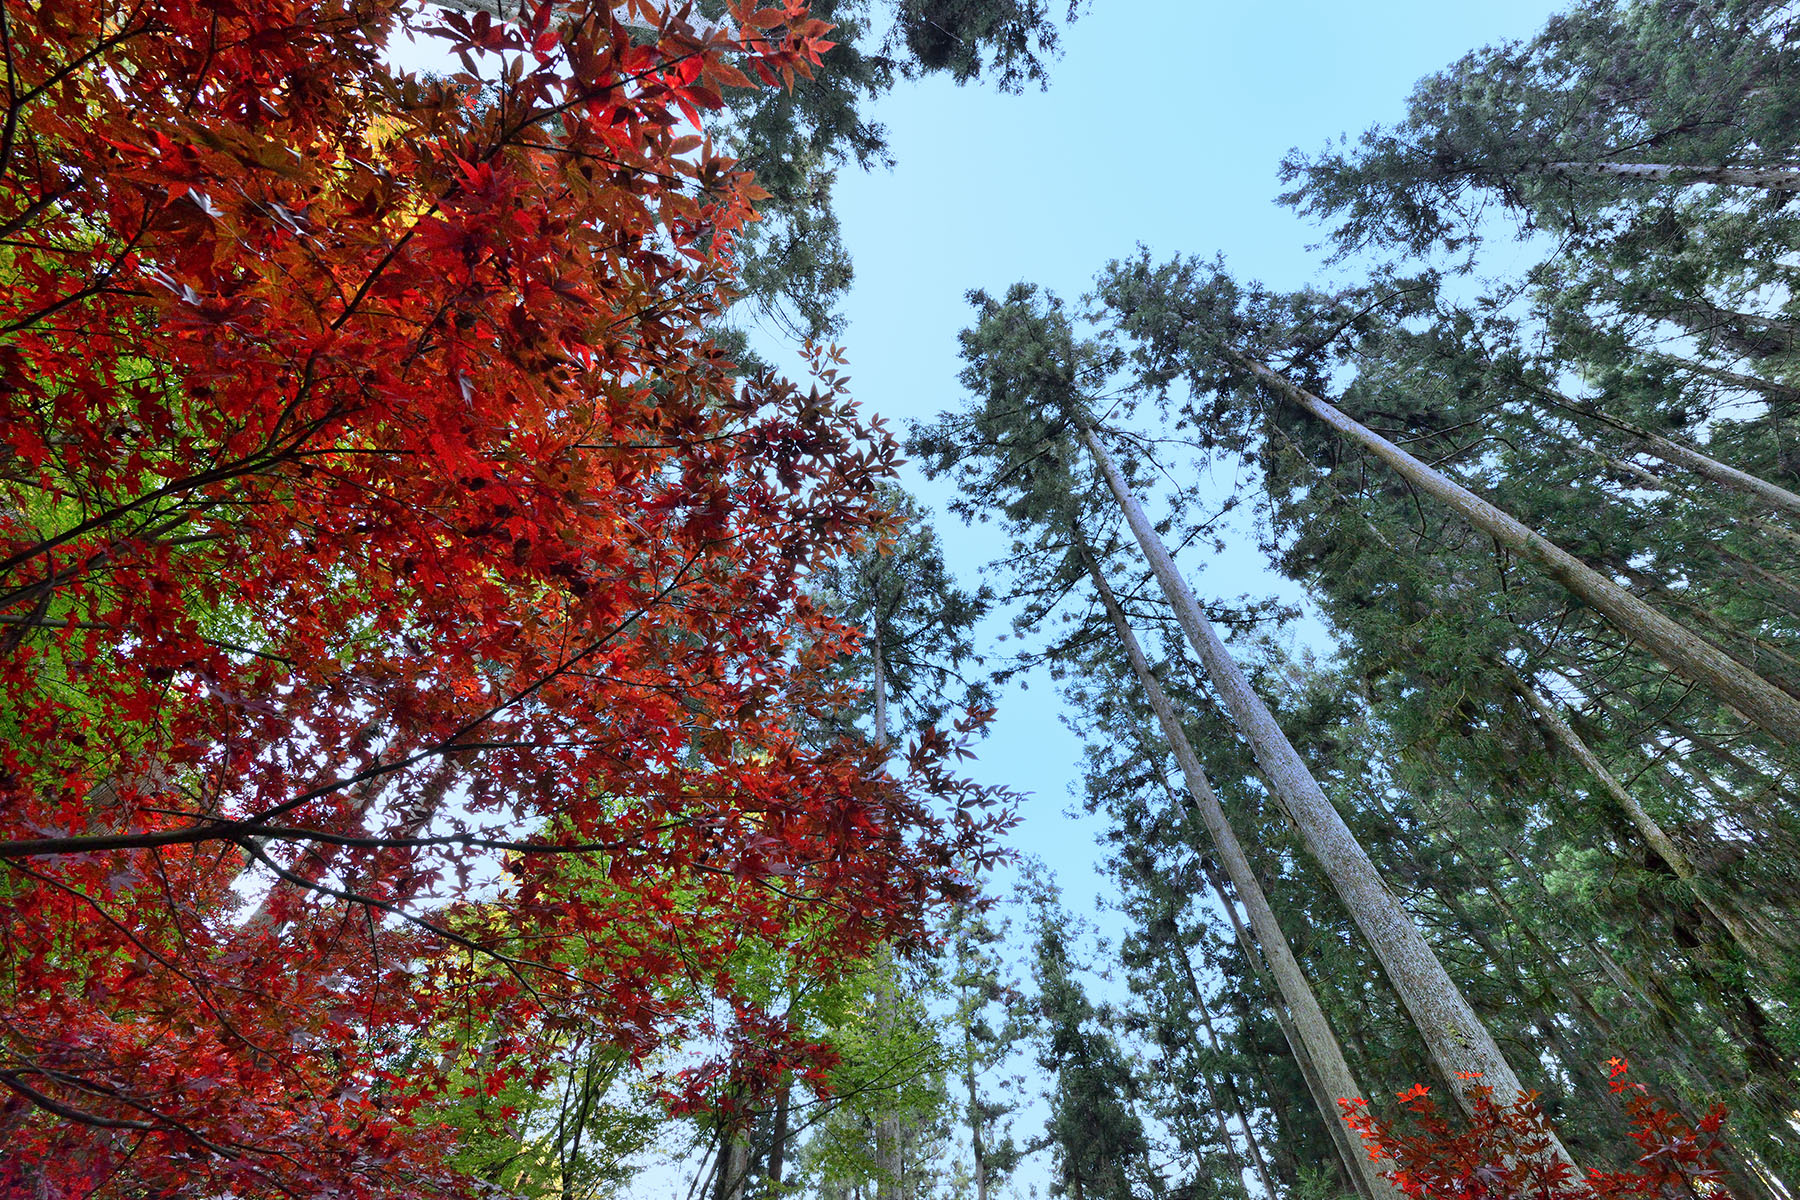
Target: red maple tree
column 378, row 532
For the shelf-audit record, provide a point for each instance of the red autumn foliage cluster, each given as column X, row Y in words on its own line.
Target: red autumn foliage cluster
column 402, row 624
column 1502, row 1152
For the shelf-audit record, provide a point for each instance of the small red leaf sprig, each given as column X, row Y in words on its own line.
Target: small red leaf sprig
column 1501, row 1151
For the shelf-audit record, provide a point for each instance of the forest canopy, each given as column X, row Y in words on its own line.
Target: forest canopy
column 471, row 726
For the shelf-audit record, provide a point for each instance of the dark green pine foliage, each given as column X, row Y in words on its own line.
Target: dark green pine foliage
column 916, row 617
column 1447, row 641
column 1673, row 300
column 1013, row 453
column 1095, row 1133
column 1550, row 128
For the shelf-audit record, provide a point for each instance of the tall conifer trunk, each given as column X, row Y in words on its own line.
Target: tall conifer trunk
column 1647, row 827
column 977, row 1143
column 1309, row 1073
column 1237, row 1104
column 1772, row 179
column 1456, row 1039
column 1673, row 644
column 1316, row 1041
column 889, row 1129
column 1679, row 454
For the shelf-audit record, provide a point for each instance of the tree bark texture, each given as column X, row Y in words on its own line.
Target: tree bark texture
column 1316, row 1039
column 1673, row 644
column 1456, row 1039
column 1772, row 179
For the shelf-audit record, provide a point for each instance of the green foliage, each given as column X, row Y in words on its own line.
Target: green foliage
column 901, row 593
column 1096, row 1136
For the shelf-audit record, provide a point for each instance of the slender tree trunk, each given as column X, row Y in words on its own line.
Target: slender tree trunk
column 880, row 681
column 1315, row 1037
column 887, row 1125
column 1572, row 985
column 778, row 1137
column 977, row 1126
column 1771, row 179
column 1750, row 383
column 1283, row 1160
column 1729, row 757
column 1230, row 1089
column 1771, row 495
column 1654, row 1006
column 1216, row 1088
column 1215, row 1091
column 1456, row 1038
column 1653, row 833
column 1677, row 647
column 1348, row 1156
column 1750, row 334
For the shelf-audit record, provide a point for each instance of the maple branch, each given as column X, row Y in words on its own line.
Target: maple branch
column 31, row 622
column 204, row 995
column 158, row 1120
column 249, row 465
column 23, row 217
column 513, row 965
column 45, row 587
column 251, row 826
column 67, row 1111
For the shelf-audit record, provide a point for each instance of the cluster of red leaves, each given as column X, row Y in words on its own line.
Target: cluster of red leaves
column 1504, row 1151
column 379, row 534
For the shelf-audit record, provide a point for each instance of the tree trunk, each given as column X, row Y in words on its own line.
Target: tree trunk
column 1309, row 1073
column 1456, row 1039
column 1768, row 529
column 1215, row 1090
column 733, row 1170
column 778, row 1137
column 1315, row 1038
column 1689, row 655
column 887, row 1125
column 1230, row 1089
column 1771, row 179
column 977, row 1143
column 1670, row 451
column 880, row 681
column 1653, row 833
